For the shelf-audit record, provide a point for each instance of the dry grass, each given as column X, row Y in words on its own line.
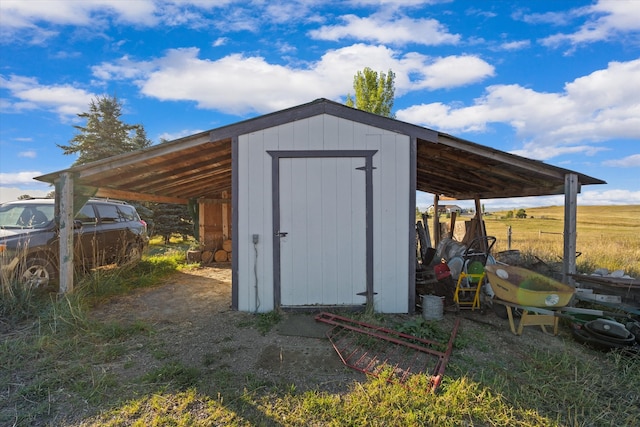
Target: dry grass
column 607, row 236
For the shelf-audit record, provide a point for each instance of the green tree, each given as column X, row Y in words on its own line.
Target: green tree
column 169, row 219
column 521, row 213
column 104, row 134
column 373, row 92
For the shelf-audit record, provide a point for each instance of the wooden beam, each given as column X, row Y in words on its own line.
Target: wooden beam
column 225, row 217
column 64, row 200
column 501, row 156
column 143, row 197
column 212, row 201
column 570, row 226
column 436, row 221
column 482, row 233
column 523, row 192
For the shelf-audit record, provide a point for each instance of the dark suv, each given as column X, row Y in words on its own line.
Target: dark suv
column 105, row 232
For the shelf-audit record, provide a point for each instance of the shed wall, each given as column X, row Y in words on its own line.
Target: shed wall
column 391, row 210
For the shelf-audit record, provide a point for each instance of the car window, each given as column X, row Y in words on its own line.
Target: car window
column 26, row 216
column 128, row 213
column 87, row 215
column 109, row 214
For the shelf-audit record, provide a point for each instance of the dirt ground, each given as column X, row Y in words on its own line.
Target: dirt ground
column 192, row 321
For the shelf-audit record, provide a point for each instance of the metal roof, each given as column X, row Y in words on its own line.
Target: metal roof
column 199, row 166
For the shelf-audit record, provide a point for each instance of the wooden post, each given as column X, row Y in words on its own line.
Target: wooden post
column 481, row 233
column 570, row 226
column 452, row 224
column 436, row 221
column 225, row 217
column 64, row 200
column 201, row 224
column 426, row 230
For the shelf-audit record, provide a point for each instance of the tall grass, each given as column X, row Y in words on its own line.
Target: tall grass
column 606, row 236
column 50, row 345
column 545, row 389
column 53, row 358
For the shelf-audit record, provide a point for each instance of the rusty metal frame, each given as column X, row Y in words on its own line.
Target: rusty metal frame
column 370, row 349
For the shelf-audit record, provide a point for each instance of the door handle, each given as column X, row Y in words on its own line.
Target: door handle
column 281, row 234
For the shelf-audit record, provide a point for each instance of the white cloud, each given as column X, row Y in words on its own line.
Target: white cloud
column 124, row 69
column 606, row 20
column 20, row 13
column 632, row 161
column 535, row 150
column 609, row 197
column 8, row 194
column 220, row 41
column 240, row 84
column 170, row 136
column 598, row 107
column 390, row 30
column 25, row 177
column 35, row 21
column 451, row 71
column 515, row 45
column 64, row 100
column 29, row 154
column 585, row 198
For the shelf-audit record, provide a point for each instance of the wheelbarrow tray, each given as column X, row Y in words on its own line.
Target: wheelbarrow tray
column 520, row 286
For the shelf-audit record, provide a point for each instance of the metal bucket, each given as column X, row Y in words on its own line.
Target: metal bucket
column 432, row 307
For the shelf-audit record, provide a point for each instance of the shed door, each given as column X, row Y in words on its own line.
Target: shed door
column 322, row 210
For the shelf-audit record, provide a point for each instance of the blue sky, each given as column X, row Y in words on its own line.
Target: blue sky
column 557, row 81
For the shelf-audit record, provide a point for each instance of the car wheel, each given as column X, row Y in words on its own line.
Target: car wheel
column 132, row 255
column 37, row 273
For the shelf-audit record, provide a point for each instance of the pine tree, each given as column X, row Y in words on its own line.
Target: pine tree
column 104, row 134
column 169, row 219
column 373, row 93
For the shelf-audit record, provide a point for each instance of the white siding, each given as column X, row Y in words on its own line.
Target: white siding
column 390, row 197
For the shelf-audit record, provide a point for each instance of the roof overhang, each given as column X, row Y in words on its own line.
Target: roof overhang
column 199, row 166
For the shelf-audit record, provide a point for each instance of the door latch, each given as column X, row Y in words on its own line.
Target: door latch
column 281, row 234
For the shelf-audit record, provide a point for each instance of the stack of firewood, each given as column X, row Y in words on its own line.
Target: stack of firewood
column 218, row 255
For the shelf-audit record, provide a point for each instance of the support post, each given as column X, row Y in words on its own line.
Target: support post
column 436, row 221
column 64, row 202
column 481, row 232
column 225, row 217
column 570, row 226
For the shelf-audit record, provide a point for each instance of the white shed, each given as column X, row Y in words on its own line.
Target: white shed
column 327, row 200
column 318, row 199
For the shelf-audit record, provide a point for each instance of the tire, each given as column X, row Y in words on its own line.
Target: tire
column 132, row 255
column 500, row 310
column 37, row 273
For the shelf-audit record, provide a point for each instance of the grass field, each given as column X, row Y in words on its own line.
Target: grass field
column 51, row 353
column 607, row 236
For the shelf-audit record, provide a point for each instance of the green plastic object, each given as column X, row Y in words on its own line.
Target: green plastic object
column 475, row 267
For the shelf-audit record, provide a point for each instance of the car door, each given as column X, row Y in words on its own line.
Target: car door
column 87, row 239
column 111, row 231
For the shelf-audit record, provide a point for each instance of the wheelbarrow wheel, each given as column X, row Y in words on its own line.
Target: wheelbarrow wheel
column 500, row 311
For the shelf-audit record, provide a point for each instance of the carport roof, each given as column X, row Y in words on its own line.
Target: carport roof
column 199, row 166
